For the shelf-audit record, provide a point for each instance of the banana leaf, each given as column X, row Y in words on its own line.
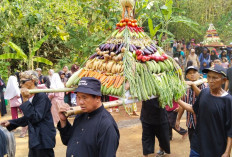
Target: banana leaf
column 18, row 50
column 38, row 45
column 42, row 60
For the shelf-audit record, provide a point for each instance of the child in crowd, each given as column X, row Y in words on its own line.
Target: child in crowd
column 190, row 97
column 204, row 66
column 225, row 63
column 211, row 64
column 217, row 61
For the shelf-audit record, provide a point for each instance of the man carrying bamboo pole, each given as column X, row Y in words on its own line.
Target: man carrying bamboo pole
column 94, row 132
column 192, row 93
column 213, row 109
column 36, row 109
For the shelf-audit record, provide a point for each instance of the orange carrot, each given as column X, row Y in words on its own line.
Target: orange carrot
column 83, row 71
column 116, row 81
column 103, row 78
column 83, row 74
column 87, row 74
column 111, row 81
column 120, row 82
column 107, row 80
column 99, row 76
column 96, row 74
column 92, row 73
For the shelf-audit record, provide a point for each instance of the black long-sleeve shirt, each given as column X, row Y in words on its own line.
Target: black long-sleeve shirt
column 38, row 117
column 214, row 124
column 92, row 134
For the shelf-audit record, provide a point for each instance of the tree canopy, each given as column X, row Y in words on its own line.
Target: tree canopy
column 73, row 28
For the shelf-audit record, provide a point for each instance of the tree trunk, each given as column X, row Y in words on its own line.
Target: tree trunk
column 30, row 61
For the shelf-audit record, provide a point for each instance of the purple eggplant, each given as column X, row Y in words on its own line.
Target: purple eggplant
column 138, row 47
column 146, row 51
column 121, row 46
column 134, row 47
column 154, row 48
column 153, row 45
column 116, row 47
column 119, row 49
column 149, row 49
column 106, row 47
column 93, row 56
column 101, row 57
column 109, row 49
column 112, row 48
column 101, row 47
column 131, row 48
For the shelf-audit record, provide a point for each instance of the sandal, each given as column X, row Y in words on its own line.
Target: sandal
column 21, row 136
column 160, row 153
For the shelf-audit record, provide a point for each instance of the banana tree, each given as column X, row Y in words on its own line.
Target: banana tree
column 166, row 16
column 31, row 58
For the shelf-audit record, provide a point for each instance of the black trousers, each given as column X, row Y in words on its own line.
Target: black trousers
column 148, row 137
column 41, row 153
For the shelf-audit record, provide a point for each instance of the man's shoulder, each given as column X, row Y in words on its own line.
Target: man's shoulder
column 107, row 118
column 229, row 97
column 204, row 92
column 40, row 96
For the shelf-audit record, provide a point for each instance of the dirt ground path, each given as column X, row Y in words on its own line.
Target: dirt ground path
column 130, row 139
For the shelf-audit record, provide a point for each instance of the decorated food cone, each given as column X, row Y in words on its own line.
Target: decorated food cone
column 212, row 38
column 129, row 64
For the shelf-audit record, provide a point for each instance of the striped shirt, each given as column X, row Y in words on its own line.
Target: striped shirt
column 190, row 98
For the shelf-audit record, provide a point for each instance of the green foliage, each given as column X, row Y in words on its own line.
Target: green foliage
column 4, row 70
column 166, row 16
column 67, row 32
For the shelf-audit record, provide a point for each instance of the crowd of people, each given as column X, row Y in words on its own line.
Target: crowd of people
column 95, row 132
column 201, row 57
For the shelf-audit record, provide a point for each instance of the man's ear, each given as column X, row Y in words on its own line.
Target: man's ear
column 98, row 98
column 224, row 80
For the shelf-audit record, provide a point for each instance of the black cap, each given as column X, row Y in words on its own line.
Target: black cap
column 189, row 68
column 217, row 68
column 89, row 85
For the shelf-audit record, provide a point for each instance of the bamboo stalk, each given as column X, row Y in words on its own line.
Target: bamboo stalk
column 129, row 100
column 198, row 82
column 51, row 90
column 77, row 110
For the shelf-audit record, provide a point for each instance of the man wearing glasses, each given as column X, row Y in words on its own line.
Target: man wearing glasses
column 37, row 115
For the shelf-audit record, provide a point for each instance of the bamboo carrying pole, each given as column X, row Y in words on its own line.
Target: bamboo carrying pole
column 77, row 110
column 33, row 91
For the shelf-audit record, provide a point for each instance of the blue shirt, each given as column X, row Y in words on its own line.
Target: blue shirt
column 92, row 134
